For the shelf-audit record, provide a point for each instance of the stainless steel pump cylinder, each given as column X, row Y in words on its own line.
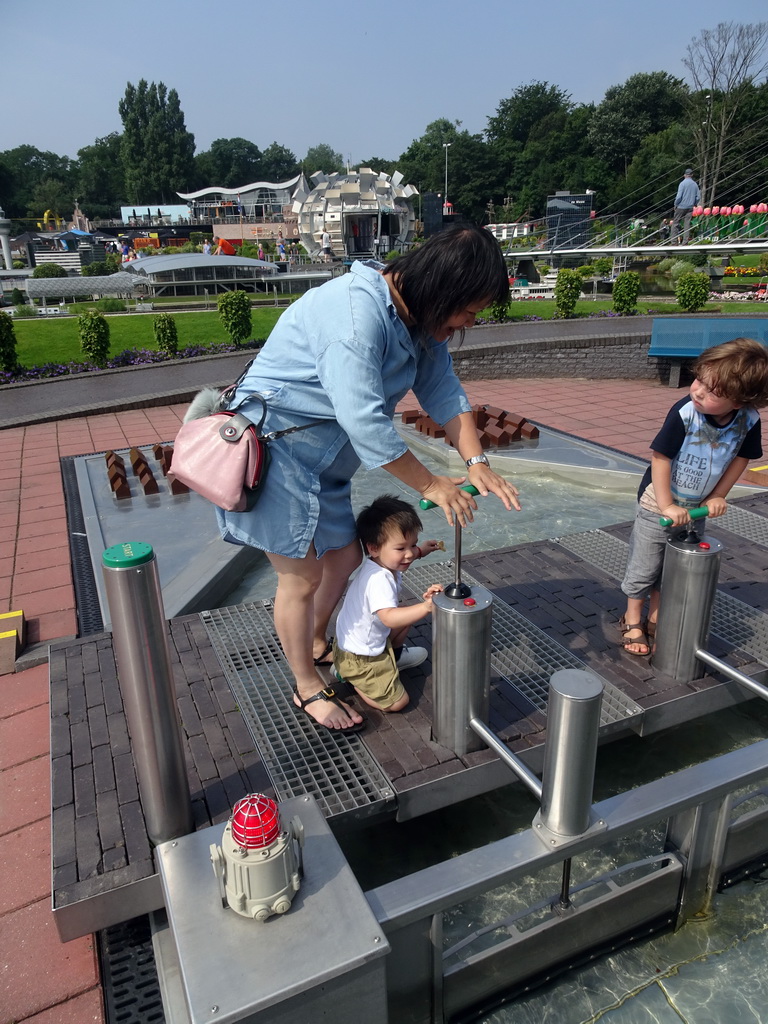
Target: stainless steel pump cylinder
column 573, row 723
column 146, row 684
column 688, row 584
column 461, row 667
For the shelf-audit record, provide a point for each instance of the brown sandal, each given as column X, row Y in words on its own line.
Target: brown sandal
column 626, row 627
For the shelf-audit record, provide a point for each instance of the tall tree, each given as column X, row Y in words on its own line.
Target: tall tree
column 24, row 168
column 521, row 114
column 229, row 163
column 323, row 157
column 645, row 104
column 100, row 179
column 156, row 147
column 722, row 64
column 279, row 164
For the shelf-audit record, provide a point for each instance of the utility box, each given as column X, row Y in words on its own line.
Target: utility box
column 322, row 960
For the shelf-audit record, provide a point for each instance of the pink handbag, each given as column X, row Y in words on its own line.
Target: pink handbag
column 224, row 456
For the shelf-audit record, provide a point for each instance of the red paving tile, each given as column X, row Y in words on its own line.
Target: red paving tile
column 87, row 1008
column 26, row 858
column 24, row 736
column 39, row 970
column 25, row 795
column 41, row 579
column 23, row 690
column 55, row 600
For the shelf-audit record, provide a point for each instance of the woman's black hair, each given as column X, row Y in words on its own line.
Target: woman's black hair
column 452, row 270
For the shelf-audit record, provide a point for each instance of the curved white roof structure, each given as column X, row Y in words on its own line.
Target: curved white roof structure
column 61, row 287
column 151, row 265
column 243, row 190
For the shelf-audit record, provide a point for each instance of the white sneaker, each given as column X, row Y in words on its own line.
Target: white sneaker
column 410, row 657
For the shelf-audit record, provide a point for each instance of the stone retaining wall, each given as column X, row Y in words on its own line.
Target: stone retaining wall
column 623, row 356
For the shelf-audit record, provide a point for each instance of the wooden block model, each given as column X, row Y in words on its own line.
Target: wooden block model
column 411, row 416
column 498, row 435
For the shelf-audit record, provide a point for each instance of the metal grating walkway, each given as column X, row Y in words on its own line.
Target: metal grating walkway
column 734, row 622
column 525, row 656
column 337, row 770
column 746, row 524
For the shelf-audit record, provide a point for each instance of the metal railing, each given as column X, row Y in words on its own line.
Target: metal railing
column 427, row 984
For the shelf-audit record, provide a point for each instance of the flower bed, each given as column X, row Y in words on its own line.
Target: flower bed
column 129, row 357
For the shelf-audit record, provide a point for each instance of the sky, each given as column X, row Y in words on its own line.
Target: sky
column 365, row 78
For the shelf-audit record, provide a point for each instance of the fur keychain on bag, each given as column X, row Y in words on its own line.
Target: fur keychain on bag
column 205, row 403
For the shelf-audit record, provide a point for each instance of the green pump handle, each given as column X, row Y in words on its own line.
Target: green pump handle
column 426, row 504
column 694, row 513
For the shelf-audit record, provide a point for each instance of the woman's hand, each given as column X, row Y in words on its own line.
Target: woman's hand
column 487, row 481
column 444, row 491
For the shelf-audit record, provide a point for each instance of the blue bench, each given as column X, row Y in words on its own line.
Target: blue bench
column 679, row 338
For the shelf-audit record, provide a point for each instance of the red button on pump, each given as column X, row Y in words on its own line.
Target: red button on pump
column 704, row 546
column 469, row 601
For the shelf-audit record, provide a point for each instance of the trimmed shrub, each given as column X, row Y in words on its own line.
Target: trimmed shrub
column 107, row 305
column 8, row 359
column 680, row 267
column 49, row 270
column 18, row 298
column 499, row 310
column 692, row 292
column 235, row 315
column 626, row 288
column 603, row 265
column 698, row 259
column 567, row 292
column 94, row 336
column 166, row 334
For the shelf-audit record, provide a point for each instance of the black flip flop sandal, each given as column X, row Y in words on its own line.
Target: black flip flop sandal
column 327, row 694
column 321, row 659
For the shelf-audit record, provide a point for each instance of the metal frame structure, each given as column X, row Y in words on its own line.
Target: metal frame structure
column 429, row 984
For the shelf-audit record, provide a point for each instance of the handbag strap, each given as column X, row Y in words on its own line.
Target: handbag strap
column 237, row 428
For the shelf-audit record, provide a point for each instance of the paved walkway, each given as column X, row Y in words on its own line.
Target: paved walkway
column 42, row 980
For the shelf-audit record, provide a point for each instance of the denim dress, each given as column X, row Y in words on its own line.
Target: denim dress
column 340, row 354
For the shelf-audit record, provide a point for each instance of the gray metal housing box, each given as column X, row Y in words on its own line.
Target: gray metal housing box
column 325, row 957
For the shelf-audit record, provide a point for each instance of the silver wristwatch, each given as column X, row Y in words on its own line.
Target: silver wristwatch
column 477, row 458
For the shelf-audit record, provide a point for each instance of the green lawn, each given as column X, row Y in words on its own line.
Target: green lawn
column 56, row 340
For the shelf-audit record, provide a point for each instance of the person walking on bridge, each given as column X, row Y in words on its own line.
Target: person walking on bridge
column 688, row 195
